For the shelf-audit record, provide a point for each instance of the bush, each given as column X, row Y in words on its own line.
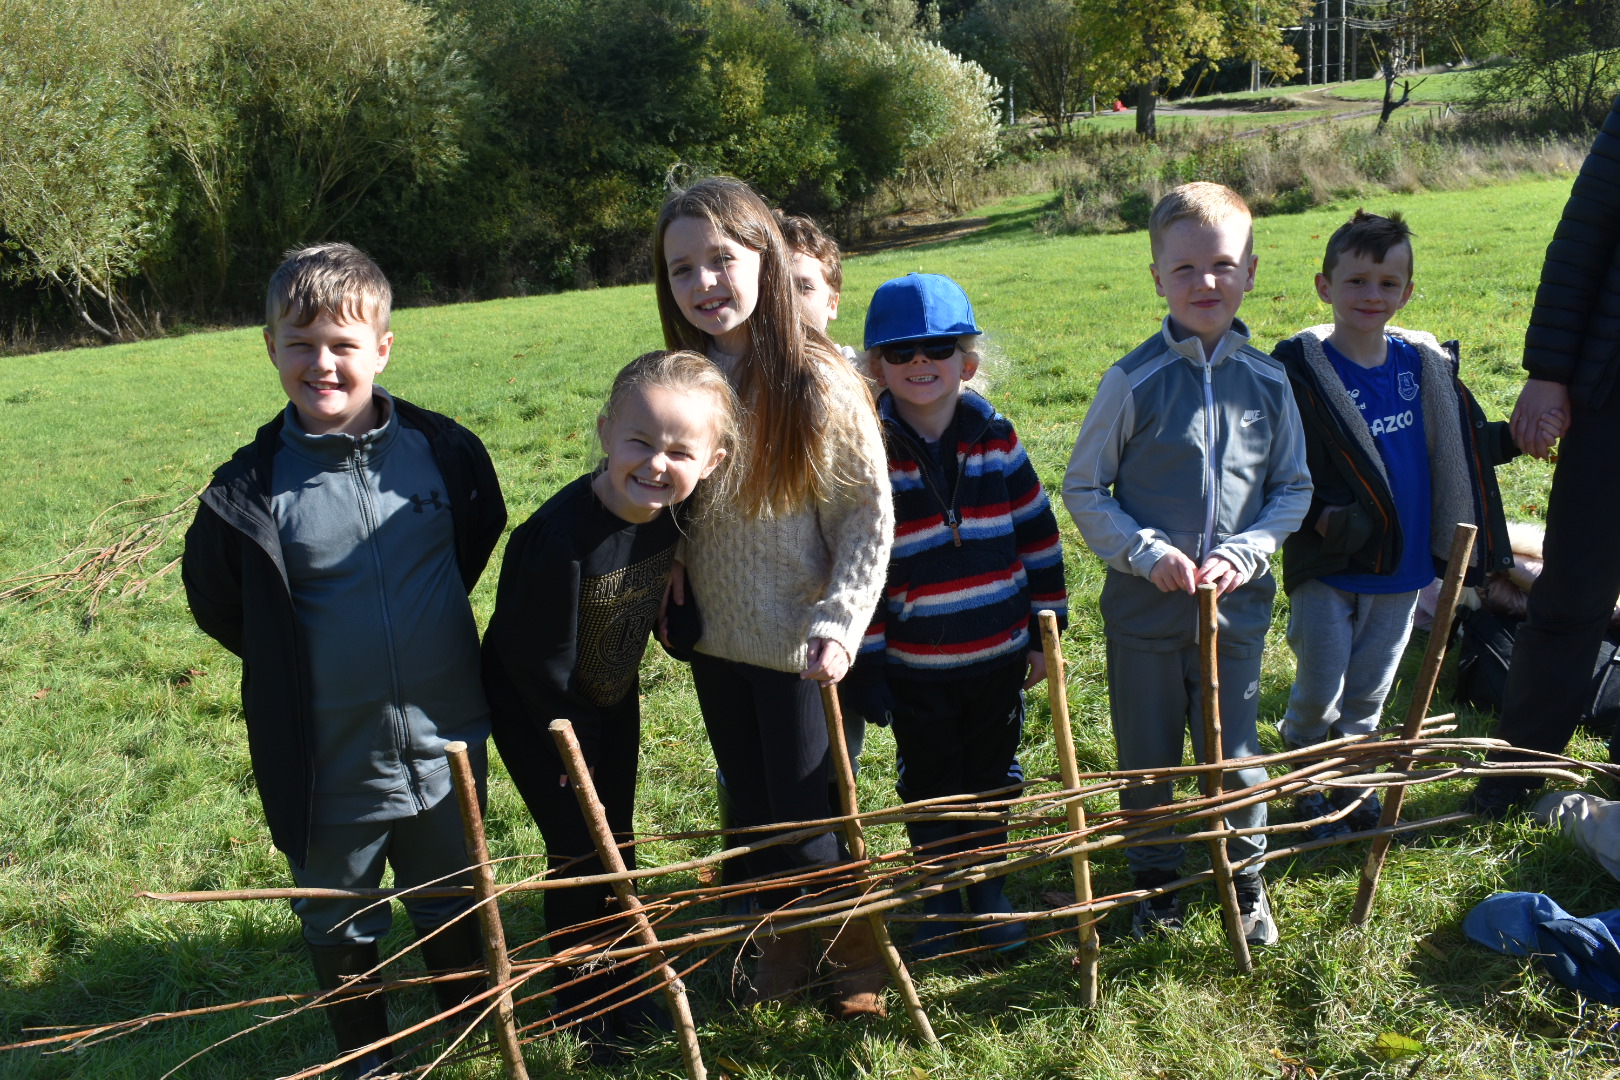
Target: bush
column 1118, row 178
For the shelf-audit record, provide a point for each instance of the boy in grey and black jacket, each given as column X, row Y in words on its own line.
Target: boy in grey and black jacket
column 1190, row 468
column 334, row 555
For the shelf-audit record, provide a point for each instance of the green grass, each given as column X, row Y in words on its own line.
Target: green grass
column 1445, row 86
column 130, row 773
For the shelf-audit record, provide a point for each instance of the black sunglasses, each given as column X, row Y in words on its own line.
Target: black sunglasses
column 904, row 352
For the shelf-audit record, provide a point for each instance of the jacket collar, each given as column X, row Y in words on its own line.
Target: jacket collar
column 333, row 450
column 973, row 414
column 1192, row 349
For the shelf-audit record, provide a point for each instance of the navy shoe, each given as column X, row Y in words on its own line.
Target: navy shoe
column 1364, row 817
column 1495, row 800
column 988, row 898
column 1313, row 805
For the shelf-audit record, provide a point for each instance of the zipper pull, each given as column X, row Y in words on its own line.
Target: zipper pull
column 952, row 520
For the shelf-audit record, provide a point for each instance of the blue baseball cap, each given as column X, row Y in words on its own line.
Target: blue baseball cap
column 918, row 306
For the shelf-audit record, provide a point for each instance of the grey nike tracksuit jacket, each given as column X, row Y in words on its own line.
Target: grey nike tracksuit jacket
column 1205, row 455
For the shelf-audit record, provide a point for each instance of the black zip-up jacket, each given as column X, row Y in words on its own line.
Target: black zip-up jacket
column 236, row 584
column 1574, row 333
column 1346, row 469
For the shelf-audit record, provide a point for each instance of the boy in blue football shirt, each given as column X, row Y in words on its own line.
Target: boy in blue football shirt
column 1399, row 453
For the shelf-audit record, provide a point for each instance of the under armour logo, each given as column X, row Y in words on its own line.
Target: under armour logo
column 417, row 502
column 1251, row 417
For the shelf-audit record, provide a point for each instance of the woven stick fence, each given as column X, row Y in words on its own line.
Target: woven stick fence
column 680, row 930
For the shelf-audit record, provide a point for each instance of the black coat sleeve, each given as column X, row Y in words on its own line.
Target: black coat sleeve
column 532, row 643
column 1579, row 266
column 211, row 570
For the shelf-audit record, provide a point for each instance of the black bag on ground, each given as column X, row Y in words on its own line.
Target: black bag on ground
column 1484, row 644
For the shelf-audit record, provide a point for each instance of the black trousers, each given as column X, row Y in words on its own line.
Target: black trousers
column 769, row 737
column 1555, row 651
column 531, row 758
column 961, row 736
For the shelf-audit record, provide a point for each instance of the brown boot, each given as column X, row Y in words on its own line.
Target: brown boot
column 859, row 974
column 783, row 967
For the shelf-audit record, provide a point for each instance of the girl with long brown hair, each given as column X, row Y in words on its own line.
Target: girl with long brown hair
column 788, row 571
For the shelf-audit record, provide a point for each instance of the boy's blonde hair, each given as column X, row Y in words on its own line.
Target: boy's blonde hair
column 336, row 280
column 1200, row 201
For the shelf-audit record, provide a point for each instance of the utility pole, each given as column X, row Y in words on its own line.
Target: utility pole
column 1310, row 51
column 1327, row 23
column 1344, row 25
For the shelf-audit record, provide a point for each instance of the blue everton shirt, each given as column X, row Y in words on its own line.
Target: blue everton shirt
column 1392, row 405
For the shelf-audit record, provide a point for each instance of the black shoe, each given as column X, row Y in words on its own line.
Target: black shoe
column 356, row 1021
column 1495, row 800
column 1162, row 914
column 1254, row 910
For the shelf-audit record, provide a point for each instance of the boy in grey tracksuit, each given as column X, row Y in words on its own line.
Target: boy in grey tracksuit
column 334, row 555
column 1190, row 468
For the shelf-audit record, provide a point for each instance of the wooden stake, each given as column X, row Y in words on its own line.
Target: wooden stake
column 850, row 805
column 579, row 775
column 1462, row 546
column 489, row 914
column 1057, row 693
column 1215, row 781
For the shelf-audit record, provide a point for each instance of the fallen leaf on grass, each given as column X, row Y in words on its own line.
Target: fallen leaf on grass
column 512, row 380
column 1391, row 1044
column 1427, row 945
column 1291, row 1067
column 708, row 875
column 918, row 1073
column 190, row 674
column 41, row 692
column 727, row 1063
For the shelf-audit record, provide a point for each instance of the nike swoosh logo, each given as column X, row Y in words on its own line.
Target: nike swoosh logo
column 1247, row 420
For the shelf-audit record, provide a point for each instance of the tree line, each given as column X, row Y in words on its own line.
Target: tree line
column 158, row 156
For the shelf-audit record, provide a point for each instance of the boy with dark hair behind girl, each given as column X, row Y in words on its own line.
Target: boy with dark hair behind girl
column 1399, row 453
column 334, row 555
column 1191, row 450
column 976, row 555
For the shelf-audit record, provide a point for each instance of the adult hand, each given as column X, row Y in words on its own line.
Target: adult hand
column 562, row 781
column 1325, row 516
column 1220, row 573
column 1532, row 416
column 826, row 661
column 674, row 592
column 1037, row 668
column 1173, row 571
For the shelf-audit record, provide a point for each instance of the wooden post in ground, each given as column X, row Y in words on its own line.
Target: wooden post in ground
column 1462, row 546
column 1057, row 693
column 590, row 807
column 844, row 773
column 489, row 915
column 1215, row 780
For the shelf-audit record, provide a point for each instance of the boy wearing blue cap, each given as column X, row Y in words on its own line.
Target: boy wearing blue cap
column 976, row 554
column 1190, row 468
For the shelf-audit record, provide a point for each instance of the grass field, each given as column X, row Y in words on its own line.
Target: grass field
column 126, row 766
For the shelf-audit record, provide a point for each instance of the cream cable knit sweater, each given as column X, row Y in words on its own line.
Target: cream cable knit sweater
column 765, row 586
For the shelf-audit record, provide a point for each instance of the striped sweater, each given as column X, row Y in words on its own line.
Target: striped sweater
column 976, row 550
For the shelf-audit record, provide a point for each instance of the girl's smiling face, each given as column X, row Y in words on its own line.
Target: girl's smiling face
column 714, row 279
column 659, row 443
